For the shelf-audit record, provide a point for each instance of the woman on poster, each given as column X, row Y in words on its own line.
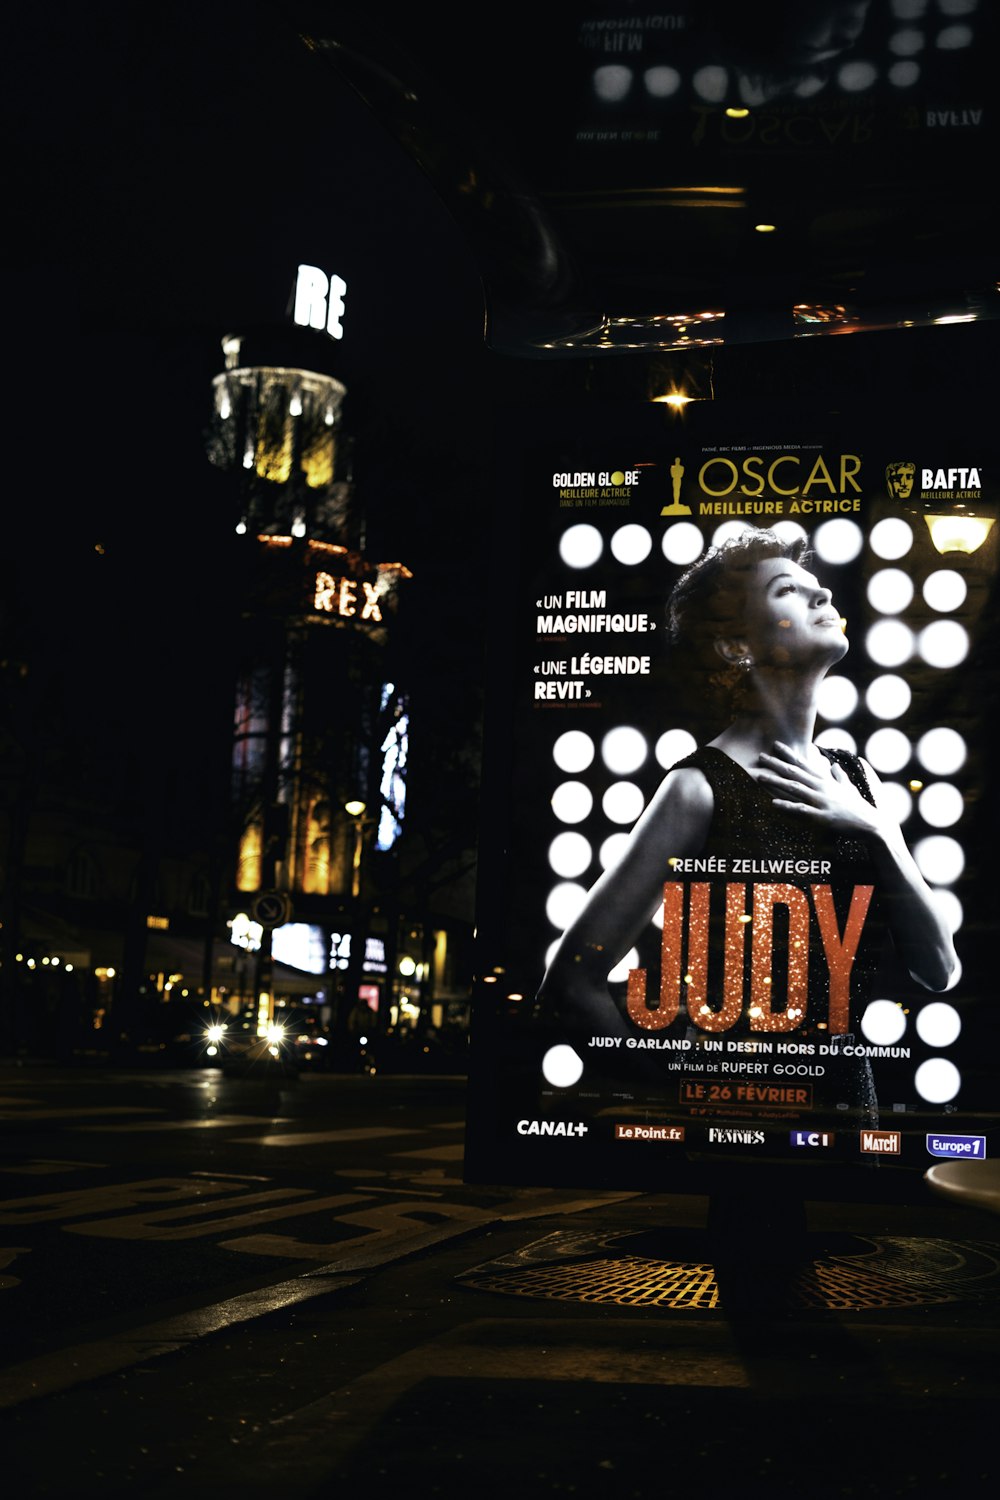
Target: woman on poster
column 765, row 633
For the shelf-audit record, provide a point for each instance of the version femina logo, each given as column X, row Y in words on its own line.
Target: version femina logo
column 684, row 957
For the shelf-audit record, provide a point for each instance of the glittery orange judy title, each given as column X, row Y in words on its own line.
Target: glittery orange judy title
column 684, row 968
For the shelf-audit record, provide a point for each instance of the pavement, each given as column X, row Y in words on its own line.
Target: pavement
column 624, row 1345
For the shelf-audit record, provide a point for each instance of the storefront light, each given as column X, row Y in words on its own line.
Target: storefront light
column 959, row 533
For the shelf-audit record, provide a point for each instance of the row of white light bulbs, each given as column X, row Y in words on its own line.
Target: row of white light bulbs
column 612, row 82
column 624, row 751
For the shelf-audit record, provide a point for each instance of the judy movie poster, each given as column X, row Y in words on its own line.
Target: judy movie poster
column 739, row 839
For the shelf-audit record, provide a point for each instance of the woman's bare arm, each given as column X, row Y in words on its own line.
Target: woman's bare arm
column 622, row 903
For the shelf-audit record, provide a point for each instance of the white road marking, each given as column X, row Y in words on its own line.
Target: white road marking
column 65, row 1368
column 318, row 1137
column 74, row 1112
column 210, row 1122
column 162, row 1224
column 44, row 1166
column 434, row 1153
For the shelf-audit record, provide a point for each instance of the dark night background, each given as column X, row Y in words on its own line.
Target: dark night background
column 168, row 169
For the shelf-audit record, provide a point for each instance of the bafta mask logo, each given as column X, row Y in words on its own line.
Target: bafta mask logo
column 899, row 480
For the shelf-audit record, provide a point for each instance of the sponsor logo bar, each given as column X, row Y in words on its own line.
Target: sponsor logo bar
column 881, row 1142
column 732, row 1135
column 964, row 1147
column 551, row 1127
column 649, row 1132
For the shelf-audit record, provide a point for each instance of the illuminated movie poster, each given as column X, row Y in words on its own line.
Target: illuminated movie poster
column 735, row 891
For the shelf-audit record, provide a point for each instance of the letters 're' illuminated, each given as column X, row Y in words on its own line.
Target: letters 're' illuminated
column 319, row 300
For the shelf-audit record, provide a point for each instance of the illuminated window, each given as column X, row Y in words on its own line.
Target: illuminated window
column 395, row 749
column 314, row 860
column 249, row 861
column 318, row 458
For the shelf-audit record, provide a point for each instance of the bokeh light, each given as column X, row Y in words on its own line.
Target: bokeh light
column 572, row 801
column 561, row 1066
column 897, row 800
column 888, row 696
column 631, row 544
column 890, row 590
column 883, row 1023
column 941, row 750
column 661, row 82
column 570, row 854
column 937, row 1080
column 941, row 805
column 673, row 745
column 564, row 903
column 838, row 698
column 939, row 1024
column 940, row 859
column 612, row 82
column 573, row 751
column 945, row 590
column 624, row 750
column 838, row 541
column 581, row 546
column 682, row 543
column 944, row 644
column 622, row 802
column 888, row 750
column 889, row 643
column 891, row 538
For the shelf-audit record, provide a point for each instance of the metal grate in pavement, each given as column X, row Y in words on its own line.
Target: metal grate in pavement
column 834, row 1283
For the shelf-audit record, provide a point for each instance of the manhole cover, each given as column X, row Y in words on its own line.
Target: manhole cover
column 883, row 1273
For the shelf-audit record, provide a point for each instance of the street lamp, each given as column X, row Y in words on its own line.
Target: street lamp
column 356, row 809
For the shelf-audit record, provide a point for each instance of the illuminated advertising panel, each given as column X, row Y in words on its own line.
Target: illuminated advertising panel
column 735, row 902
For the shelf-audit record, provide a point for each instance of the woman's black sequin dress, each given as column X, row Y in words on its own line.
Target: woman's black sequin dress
column 747, row 828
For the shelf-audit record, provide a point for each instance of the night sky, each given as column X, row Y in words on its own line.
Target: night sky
column 172, row 167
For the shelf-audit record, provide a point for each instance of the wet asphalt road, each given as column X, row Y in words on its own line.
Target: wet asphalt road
column 191, row 1308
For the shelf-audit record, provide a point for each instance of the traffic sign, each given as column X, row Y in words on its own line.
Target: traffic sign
column 270, row 908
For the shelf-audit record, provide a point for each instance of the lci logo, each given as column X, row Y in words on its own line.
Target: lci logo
column 811, row 1138
column 881, row 1142
column 971, row 1147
